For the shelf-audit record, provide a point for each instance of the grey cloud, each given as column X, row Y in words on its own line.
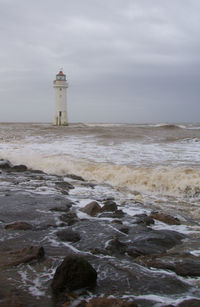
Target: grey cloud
column 134, row 61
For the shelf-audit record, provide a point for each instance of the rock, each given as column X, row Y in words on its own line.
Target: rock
column 187, row 268
column 12, row 301
column 39, row 178
column 64, row 185
column 18, row 226
column 82, row 304
column 124, row 230
column 190, row 303
column 97, row 251
column 69, row 218
column 74, row 273
column 5, row 164
column 109, row 206
column 117, row 222
column 68, row 235
column 156, row 241
column 75, row 177
column 116, row 247
column 183, row 265
column 89, row 185
column 27, row 254
column 37, row 171
column 109, row 302
column 106, row 198
column 165, row 218
column 60, row 209
column 116, row 214
column 92, row 208
column 143, row 219
column 19, row 168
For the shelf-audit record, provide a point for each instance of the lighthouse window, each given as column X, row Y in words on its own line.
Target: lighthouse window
column 60, row 89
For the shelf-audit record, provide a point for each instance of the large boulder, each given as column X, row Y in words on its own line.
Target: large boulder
column 74, row 273
column 92, row 208
column 109, row 302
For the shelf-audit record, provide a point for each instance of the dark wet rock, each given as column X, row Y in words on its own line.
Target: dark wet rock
column 109, row 302
column 5, row 164
column 165, row 218
column 66, row 205
column 124, row 230
column 19, row 168
column 92, row 208
column 156, row 241
column 190, row 303
column 69, row 203
column 116, row 247
column 143, row 219
column 60, row 209
column 11, row 301
column 27, row 254
column 75, row 177
column 68, row 235
column 74, row 273
column 18, row 226
column 64, row 185
column 116, row 214
column 70, row 218
column 82, row 304
column 117, row 222
column 109, row 206
column 89, row 184
column 107, row 198
column 187, row 267
column 97, row 251
column 39, row 178
column 37, row 171
column 183, row 265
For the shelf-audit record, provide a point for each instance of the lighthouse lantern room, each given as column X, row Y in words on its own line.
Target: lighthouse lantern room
column 60, row 85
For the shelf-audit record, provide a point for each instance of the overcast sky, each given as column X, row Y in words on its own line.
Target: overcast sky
column 125, row 60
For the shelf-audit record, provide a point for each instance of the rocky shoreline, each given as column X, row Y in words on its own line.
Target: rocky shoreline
column 59, row 248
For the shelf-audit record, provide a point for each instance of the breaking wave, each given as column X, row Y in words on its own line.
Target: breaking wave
column 177, row 181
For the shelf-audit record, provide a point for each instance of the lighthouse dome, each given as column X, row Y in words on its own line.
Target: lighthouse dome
column 61, row 76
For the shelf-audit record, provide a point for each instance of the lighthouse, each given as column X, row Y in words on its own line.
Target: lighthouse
column 60, row 85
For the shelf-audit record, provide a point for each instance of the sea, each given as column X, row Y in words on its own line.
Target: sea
column 155, row 165
column 154, row 159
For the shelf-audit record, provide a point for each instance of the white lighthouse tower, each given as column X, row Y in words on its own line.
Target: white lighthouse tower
column 60, row 85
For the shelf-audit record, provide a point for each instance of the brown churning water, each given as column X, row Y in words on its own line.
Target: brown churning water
column 156, row 159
